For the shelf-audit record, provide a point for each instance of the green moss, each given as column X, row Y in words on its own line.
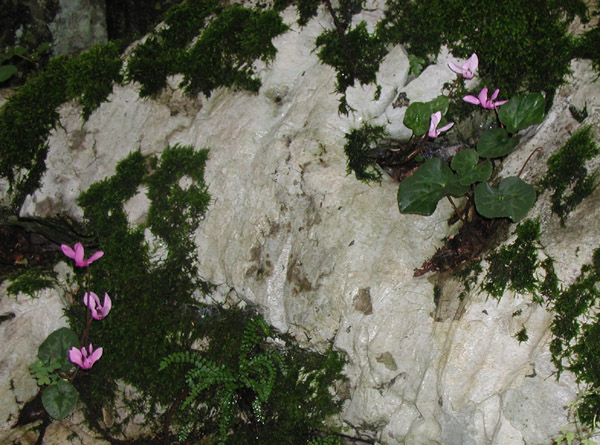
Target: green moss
column 162, row 54
column 567, row 176
column 586, row 46
column 222, row 55
column 355, row 55
column 30, row 282
column 144, row 293
column 576, row 330
column 578, row 115
column 512, row 38
column 522, row 336
column 157, row 293
column 226, row 50
column 92, row 74
column 307, row 9
column 25, row 122
column 29, row 115
column 359, row 148
column 514, row 266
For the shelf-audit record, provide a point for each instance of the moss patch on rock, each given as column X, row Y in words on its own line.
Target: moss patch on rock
column 567, row 175
column 29, row 115
column 155, row 314
column 513, row 38
column 222, row 55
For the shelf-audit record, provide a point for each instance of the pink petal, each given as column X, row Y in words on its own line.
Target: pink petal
column 483, row 96
column 94, row 357
column 471, row 99
column 93, row 303
column 95, row 300
column 495, row 95
column 107, row 305
column 446, row 127
column 454, row 67
column 501, row 102
column 79, row 252
column 67, row 251
column 472, row 63
column 75, row 356
column 95, row 256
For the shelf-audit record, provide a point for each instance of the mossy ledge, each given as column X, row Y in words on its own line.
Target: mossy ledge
column 575, row 344
column 158, row 289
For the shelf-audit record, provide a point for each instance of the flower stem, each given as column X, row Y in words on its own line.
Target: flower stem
column 460, row 215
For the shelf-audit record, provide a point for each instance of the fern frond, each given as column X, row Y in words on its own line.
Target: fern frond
column 227, row 408
column 189, row 357
column 255, row 332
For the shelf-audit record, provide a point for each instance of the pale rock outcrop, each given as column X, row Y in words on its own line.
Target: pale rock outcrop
column 330, row 259
column 78, row 25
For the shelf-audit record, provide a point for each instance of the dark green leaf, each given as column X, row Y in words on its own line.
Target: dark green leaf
column 440, row 103
column 420, row 192
column 496, row 143
column 59, row 399
column 522, row 111
column 418, row 114
column 417, row 118
column 43, row 47
column 7, row 71
column 57, row 345
column 466, row 165
column 513, row 199
column 417, row 64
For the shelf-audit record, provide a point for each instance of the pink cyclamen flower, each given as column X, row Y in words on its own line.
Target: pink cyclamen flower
column 77, row 255
column 468, row 68
column 83, row 358
column 434, row 132
column 98, row 311
column 482, row 99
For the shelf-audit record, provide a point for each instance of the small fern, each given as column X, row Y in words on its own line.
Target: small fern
column 256, row 374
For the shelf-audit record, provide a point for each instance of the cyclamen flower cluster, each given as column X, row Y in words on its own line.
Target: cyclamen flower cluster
column 85, row 358
column 467, row 70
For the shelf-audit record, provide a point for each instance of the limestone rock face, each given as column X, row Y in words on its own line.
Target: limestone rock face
column 330, row 259
column 78, row 25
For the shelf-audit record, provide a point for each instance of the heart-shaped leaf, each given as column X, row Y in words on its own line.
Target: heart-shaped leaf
column 440, row 103
column 417, row 118
column 418, row 114
column 57, row 345
column 496, row 143
column 466, row 165
column 420, row 192
column 513, row 199
column 59, row 399
column 522, row 111
column 7, row 71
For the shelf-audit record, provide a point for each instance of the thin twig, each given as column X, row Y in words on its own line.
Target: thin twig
column 460, row 215
column 527, row 160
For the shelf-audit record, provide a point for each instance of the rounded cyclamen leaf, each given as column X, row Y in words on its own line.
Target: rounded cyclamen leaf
column 522, row 111
column 417, row 118
column 512, row 199
column 420, row 192
column 466, row 164
column 418, row 114
column 57, row 345
column 440, row 103
column 7, row 71
column 59, row 399
column 496, row 143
